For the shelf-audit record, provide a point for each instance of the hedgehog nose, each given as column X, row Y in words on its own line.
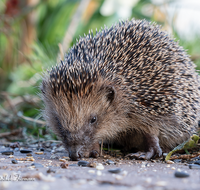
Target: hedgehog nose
column 74, row 155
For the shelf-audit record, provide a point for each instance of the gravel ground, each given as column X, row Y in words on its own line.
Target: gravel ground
column 44, row 171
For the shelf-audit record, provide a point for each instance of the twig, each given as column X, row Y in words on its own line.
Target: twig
column 71, row 29
column 12, row 133
column 4, row 115
column 19, row 99
column 32, row 120
column 101, row 147
column 9, row 103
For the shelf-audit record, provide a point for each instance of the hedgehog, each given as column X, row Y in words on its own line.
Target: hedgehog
column 131, row 84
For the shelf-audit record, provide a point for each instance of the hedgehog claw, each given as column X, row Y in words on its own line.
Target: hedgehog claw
column 153, row 147
column 153, row 152
column 94, row 154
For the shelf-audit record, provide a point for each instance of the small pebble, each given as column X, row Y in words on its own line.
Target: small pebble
column 99, row 167
column 15, row 145
column 191, row 162
column 83, row 163
column 39, row 152
column 196, row 158
column 115, row 170
column 178, row 160
column 53, row 151
column 91, row 171
column 8, row 152
column 54, row 156
column 181, row 174
column 25, row 151
column 11, row 156
column 21, row 159
column 73, row 165
column 169, row 162
column 16, row 149
column 30, row 159
column 37, row 165
column 165, row 154
column 161, row 183
column 194, row 166
column 66, row 158
column 197, row 162
column 29, row 154
column 92, row 164
column 41, row 149
column 62, row 160
column 110, row 162
column 51, row 171
column 14, row 161
column 53, row 144
column 64, row 165
column 173, row 168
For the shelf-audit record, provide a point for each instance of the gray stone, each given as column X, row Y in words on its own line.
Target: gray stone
column 194, row 166
column 83, row 163
column 181, row 174
column 37, row 165
column 7, row 152
column 14, row 161
column 115, row 170
column 25, row 151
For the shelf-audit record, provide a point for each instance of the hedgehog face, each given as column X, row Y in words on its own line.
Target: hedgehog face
column 82, row 121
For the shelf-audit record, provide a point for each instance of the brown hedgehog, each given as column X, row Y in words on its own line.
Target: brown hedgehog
column 131, row 84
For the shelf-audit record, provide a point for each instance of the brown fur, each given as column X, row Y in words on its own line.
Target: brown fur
column 144, row 93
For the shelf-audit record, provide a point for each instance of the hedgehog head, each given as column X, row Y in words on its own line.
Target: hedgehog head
column 78, row 106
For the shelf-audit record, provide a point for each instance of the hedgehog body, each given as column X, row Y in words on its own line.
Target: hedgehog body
column 131, row 84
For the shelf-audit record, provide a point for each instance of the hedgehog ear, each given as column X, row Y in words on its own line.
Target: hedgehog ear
column 110, row 93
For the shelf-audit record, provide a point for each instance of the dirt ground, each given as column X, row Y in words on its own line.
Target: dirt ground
column 43, row 171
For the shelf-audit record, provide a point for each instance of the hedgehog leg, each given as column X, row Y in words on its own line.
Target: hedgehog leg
column 153, row 147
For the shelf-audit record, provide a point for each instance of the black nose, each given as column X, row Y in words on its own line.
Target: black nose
column 74, row 156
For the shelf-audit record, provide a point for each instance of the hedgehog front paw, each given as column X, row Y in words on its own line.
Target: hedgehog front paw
column 153, row 147
column 94, row 153
column 153, row 152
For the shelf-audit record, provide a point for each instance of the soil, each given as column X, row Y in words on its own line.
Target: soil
column 47, row 174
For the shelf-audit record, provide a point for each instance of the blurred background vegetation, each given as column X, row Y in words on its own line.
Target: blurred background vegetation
column 34, row 34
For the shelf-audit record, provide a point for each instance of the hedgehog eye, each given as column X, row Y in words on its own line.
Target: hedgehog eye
column 93, row 120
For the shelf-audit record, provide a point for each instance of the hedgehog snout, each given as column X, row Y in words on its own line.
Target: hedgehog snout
column 74, row 154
